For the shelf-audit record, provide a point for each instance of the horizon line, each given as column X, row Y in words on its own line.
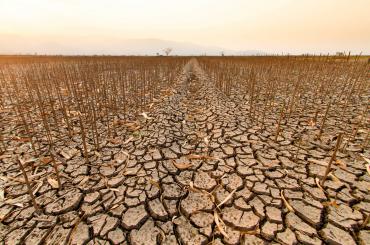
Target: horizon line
column 338, row 54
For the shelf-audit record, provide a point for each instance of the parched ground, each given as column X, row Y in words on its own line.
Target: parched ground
column 199, row 172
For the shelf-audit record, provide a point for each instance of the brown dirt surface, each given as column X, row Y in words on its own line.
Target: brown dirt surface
column 194, row 169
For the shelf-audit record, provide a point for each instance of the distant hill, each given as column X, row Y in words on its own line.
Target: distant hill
column 154, row 46
column 14, row 44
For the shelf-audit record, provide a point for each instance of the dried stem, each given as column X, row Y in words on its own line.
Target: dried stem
column 328, row 168
column 29, row 189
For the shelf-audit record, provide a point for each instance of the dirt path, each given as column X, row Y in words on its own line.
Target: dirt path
column 196, row 172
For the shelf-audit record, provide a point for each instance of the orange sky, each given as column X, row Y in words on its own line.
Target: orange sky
column 275, row 26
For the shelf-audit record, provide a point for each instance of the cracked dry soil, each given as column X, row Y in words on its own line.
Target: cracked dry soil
column 200, row 173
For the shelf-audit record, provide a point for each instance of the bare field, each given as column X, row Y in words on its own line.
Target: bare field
column 178, row 150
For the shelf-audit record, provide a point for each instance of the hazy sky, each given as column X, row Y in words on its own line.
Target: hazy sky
column 277, row 26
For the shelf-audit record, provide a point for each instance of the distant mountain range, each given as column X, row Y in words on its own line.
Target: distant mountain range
column 15, row 44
